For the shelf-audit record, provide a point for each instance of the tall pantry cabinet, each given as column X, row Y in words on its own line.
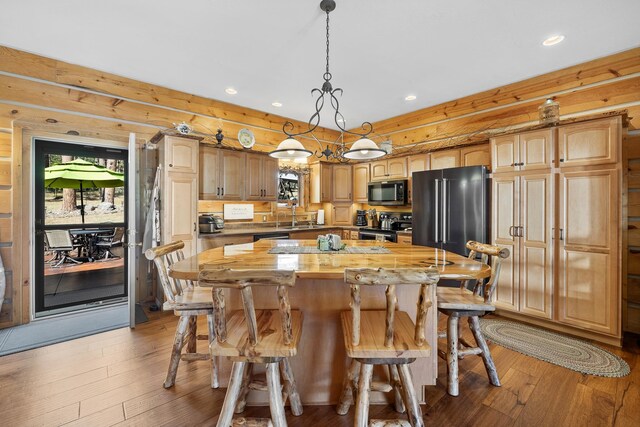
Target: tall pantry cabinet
column 556, row 206
column 179, row 191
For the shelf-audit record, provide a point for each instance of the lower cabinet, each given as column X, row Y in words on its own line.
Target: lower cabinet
column 523, row 223
column 404, row 239
column 564, row 263
column 588, row 273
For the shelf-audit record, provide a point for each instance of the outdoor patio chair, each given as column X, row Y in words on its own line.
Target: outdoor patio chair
column 105, row 243
column 59, row 241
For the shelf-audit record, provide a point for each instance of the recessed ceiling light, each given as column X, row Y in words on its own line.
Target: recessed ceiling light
column 231, row 91
column 277, row 104
column 553, row 40
column 410, row 98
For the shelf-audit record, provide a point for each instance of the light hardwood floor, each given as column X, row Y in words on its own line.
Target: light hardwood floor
column 115, row 378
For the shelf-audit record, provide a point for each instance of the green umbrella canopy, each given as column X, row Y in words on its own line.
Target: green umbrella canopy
column 81, row 174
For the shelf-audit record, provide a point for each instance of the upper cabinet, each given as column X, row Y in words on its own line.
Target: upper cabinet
column 416, row 163
column 360, row 182
column 342, row 184
column 389, row 169
column 320, row 183
column 589, row 143
column 476, row 155
column 261, row 181
column 520, row 152
column 445, row 159
column 221, row 173
column 181, row 154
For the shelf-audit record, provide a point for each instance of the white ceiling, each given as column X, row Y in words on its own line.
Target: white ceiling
column 270, row 51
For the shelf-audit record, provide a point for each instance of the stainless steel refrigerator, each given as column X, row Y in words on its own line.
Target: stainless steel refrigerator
column 451, row 207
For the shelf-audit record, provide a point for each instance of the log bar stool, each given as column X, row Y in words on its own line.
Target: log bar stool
column 250, row 336
column 462, row 302
column 188, row 302
column 376, row 337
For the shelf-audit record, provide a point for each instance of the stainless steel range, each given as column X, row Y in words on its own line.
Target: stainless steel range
column 390, row 224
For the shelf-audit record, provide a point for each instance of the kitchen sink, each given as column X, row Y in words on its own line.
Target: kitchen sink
column 300, row 227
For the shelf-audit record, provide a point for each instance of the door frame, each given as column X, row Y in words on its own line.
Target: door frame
column 28, row 208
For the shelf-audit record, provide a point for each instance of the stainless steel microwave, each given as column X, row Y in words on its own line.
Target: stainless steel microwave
column 387, row 193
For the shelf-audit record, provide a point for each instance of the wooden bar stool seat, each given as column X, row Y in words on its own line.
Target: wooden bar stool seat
column 372, row 341
column 187, row 301
column 251, row 336
column 270, row 346
column 385, row 337
column 461, row 302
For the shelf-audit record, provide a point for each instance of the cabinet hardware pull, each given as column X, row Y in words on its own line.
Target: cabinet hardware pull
column 194, row 226
column 510, row 230
column 218, row 192
column 521, row 231
column 561, row 160
column 222, row 191
column 561, row 234
column 170, row 165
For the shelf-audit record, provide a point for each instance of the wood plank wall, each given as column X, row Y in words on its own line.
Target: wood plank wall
column 42, row 94
column 605, row 84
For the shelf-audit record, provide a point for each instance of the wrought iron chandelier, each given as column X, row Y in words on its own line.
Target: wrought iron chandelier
column 363, row 149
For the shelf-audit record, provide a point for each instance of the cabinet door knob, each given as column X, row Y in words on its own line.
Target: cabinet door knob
column 561, row 160
column 170, row 165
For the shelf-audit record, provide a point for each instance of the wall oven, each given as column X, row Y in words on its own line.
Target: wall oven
column 387, row 193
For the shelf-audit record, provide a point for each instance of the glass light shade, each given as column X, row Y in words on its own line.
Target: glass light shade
column 364, row 149
column 290, row 149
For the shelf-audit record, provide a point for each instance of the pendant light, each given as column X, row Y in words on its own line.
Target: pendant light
column 362, row 149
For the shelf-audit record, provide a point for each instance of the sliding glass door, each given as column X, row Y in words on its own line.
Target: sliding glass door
column 81, row 210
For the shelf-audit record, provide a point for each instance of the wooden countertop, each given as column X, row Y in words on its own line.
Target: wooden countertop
column 330, row 265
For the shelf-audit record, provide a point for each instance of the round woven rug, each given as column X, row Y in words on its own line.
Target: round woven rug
column 551, row 347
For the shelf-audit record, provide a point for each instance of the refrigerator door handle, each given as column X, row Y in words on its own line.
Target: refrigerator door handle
column 437, row 208
column 444, row 210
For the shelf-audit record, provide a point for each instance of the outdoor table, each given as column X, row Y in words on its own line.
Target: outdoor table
column 89, row 236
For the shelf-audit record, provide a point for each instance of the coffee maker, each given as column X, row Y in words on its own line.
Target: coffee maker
column 361, row 218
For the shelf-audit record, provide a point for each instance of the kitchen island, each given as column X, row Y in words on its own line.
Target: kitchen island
column 321, row 295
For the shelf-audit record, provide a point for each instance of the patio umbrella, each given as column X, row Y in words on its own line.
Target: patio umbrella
column 79, row 175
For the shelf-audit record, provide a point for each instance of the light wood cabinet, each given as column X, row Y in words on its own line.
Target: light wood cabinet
column 180, row 154
column 342, row 215
column 445, row 159
column 222, row 174
column 588, row 273
column 476, row 155
column 395, row 168
column 416, row 163
column 261, row 177
column 209, row 173
column 360, row 182
column 591, row 143
column 179, row 159
column 404, row 239
column 522, row 222
column 354, row 235
column 342, row 184
column 320, row 182
column 346, row 234
column 523, row 152
column 232, row 168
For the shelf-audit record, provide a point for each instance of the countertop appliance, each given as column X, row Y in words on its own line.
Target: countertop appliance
column 387, row 193
column 451, row 207
column 396, row 221
column 361, row 218
column 209, row 224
